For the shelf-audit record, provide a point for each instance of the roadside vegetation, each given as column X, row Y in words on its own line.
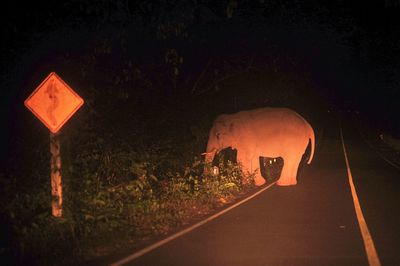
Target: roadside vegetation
column 102, row 215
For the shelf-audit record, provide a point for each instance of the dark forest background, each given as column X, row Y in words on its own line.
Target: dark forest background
column 185, row 49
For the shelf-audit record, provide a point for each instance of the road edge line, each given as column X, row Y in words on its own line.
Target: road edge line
column 372, row 255
column 187, row 230
column 377, row 151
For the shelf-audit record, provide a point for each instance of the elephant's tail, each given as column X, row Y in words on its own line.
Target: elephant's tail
column 312, row 138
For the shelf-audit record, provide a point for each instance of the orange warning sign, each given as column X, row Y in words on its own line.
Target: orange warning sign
column 53, row 102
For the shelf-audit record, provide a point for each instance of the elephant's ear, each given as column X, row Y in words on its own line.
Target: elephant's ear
column 235, row 129
column 235, row 133
column 220, row 126
column 231, row 127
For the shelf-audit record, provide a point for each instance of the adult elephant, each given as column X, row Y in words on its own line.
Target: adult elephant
column 267, row 132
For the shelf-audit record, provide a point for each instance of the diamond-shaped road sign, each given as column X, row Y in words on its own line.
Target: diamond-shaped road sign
column 53, row 102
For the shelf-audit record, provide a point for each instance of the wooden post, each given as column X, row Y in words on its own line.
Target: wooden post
column 55, row 166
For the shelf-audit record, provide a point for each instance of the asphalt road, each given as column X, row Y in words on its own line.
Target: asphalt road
column 313, row 223
column 378, row 188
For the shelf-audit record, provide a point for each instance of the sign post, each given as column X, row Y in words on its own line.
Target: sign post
column 55, row 168
column 54, row 102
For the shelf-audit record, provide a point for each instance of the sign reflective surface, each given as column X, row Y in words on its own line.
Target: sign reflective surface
column 53, row 102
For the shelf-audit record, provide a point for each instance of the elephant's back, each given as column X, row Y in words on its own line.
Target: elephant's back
column 280, row 120
column 277, row 117
column 281, row 114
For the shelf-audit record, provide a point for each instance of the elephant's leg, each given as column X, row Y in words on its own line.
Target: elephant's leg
column 250, row 164
column 295, row 167
column 245, row 162
column 289, row 171
column 258, row 179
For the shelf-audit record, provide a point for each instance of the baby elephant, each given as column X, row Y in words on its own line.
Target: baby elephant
column 266, row 132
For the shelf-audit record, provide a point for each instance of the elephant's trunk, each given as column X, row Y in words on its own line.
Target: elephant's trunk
column 212, row 146
column 209, row 155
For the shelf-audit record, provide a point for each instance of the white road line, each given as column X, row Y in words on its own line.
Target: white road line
column 369, row 245
column 185, row 231
column 388, row 161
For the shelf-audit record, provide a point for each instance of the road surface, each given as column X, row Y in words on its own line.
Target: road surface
column 313, row 223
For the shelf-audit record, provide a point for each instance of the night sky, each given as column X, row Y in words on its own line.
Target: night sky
column 348, row 54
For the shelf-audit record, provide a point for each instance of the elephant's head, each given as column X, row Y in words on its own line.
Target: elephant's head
column 223, row 134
